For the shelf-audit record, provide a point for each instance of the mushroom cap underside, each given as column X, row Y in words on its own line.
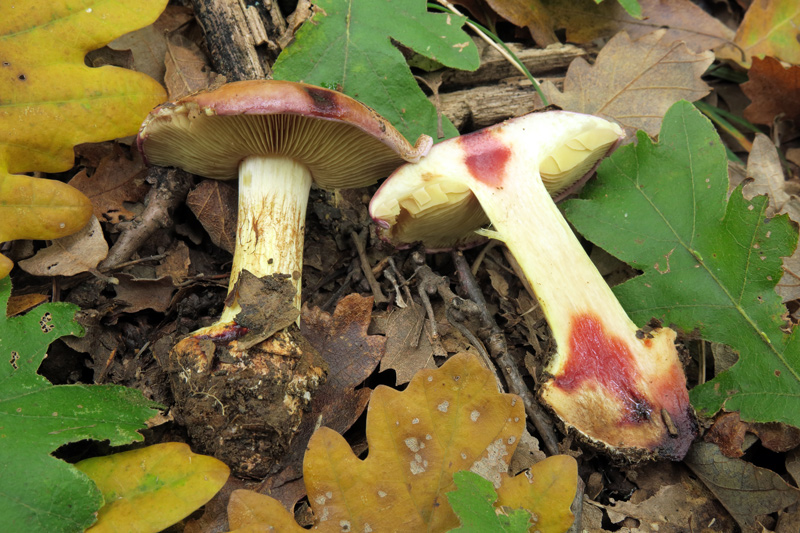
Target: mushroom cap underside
column 343, row 143
column 432, row 202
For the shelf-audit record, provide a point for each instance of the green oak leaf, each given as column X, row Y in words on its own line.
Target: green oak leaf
column 347, row 46
column 473, row 502
column 37, row 491
column 710, row 263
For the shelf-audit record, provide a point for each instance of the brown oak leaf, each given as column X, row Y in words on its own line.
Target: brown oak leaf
column 773, row 90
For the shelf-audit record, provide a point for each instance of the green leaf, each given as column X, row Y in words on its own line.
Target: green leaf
column 709, row 263
column 631, row 6
column 347, row 45
column 37, row 491
column 473, row 501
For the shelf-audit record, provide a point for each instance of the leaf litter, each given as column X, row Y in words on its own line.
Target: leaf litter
column 194, row 272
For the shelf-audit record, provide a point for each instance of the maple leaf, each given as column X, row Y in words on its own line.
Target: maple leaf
column 773, row 90
column 447, row 420
column 633, row 82
column 348, row 46
column 50, row 101
column 768, row 29
column 710, row 263
column 37, row 417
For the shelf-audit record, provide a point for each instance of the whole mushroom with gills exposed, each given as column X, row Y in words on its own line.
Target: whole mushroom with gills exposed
column 278, row 138
column 621, row 387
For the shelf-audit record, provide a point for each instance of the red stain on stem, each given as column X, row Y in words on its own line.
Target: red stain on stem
column 597, row 357
column 486, row 156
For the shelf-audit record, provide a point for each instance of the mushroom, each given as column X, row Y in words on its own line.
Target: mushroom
column 279, row 138
column 614, row 383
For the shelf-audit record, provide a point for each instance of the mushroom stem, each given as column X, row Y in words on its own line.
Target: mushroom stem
column 273, row 195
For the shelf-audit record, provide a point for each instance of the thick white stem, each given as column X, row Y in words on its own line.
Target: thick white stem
column 273, row 195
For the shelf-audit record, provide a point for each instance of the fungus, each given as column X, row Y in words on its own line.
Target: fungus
column 617, row 387
column 278, row 138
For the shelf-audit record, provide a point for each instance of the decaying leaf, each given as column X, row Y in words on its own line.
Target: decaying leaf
column 34, row 208
column 633, row 82
column 408, row 348
column 152, row 488
column 70, row 255
column 448, row 419
column 769, row 28
column 214, row 203
column 745, row 490
column 187, row 68
column 138, row 294
column 773, row 90
column 530, row 14
column 351, row 355
column 683, row 20
column 116, row 180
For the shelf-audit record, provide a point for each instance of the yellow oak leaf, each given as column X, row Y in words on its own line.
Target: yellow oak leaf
column 50, row 101
column 152, row 488
column 447, row 420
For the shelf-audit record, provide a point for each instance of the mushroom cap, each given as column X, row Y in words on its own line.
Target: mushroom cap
column 343, row 142
column 431, row 203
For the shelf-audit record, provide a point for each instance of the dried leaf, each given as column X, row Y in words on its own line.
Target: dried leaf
column 149, row 44
column 139, row 294
column 773, row 90
column 351, row 354
column 447, row 420
column 215, row 204
column 530, row 14
column 745, row 490
column 187, row 68
column 769, row 28
column 633, row 82
column 33, row 208
column 70, row 255
column 683, row 20
column 152, row 488
column 116, row 180
column 407, row 346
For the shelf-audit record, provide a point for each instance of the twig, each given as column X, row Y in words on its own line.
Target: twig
column 337, row 294
column 170, row 189
column 498, row 349
column 377, row 293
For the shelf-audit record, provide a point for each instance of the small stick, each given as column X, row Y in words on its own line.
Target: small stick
column 170, row 189
column 499, row 350
column 380, row 298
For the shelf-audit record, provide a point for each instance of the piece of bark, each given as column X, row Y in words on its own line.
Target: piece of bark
column 232, row 33
column 487, row 105
column 552, row 60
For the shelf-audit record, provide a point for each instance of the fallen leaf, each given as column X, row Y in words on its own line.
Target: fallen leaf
column 633, row 82
column 683, row 20
column 67, row 256
column 728, row 434
column 352, row 355
column 176, row 263
column 151, row 488
column 448, row 419
column 187, row 67
column 148, row 45
column 24, row 302
column 773, row 90
column 529, row 14
column 673, row 509
column 765, row 171
column 51, row 100
column 117, row 179
column 139, row 294
column 745, row 490
column 34, row 208
column 769, row 28
column 408, row 348
column 215, row 205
